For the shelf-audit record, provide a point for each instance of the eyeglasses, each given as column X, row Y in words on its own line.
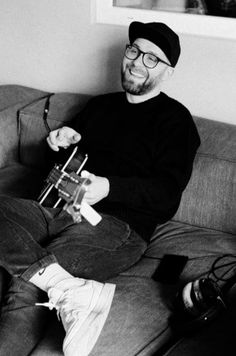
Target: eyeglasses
column 149, row 59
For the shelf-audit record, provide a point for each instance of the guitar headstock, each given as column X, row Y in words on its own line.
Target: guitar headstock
column 71, row 189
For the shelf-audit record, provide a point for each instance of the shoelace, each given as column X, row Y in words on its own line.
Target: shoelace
column 65, row 304
column 50, row 306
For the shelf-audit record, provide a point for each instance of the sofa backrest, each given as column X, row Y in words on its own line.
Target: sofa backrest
column 210, row 197
column 22, row 128
column 33, row 147
column 12, row 99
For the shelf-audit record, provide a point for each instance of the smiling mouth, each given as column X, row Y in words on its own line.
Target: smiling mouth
column 136, row 74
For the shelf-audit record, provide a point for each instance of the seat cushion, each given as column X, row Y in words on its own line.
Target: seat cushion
column 202, row 246
column 136, row 324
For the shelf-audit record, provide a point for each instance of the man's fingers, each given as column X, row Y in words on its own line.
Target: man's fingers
column 63, row 137
column 51, row 145
column 52, row 138
column 88, row 199
column 68, row 136
column 85, row 174
column 75, row 138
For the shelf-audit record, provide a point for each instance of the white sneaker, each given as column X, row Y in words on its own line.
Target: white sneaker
column 83, row 308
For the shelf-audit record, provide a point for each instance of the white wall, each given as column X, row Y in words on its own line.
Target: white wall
column 53, row 45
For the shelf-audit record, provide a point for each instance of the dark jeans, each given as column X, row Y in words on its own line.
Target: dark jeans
column 32, row 237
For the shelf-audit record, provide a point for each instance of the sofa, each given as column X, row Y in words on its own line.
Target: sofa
column 204, row 228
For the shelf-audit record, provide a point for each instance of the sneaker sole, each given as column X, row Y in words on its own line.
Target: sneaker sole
column 82, row 339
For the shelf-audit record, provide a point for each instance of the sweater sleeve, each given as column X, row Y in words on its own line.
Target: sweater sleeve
column 176, row 143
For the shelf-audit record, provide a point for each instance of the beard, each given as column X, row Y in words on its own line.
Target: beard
column 131, row 86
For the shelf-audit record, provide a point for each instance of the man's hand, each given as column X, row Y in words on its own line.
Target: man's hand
column 63, row 137
column 97, row 190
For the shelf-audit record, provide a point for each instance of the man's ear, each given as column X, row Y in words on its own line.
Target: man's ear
column 167, row 73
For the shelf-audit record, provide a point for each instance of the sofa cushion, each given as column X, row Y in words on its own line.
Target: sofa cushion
column 202, row 246
column 12, row 94
column 136, row 324
column 210, row 197
column 33, row 132
column 12, row 98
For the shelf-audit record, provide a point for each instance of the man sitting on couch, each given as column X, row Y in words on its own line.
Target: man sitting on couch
column 141, row 146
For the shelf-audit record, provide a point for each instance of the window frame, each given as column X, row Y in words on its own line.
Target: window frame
column 200, row 25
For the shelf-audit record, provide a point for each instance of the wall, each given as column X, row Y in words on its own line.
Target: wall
column 53, row 45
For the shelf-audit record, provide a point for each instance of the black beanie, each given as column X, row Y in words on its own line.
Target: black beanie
column 160, row 34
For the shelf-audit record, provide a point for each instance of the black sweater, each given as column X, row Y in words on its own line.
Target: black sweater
column 145, row 150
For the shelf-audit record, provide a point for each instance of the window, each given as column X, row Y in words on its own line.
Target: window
column 195, row 17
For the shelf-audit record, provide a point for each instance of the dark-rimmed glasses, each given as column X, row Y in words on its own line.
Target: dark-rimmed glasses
column 149, row 60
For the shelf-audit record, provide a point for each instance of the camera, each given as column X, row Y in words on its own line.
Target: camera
column 196, row 304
